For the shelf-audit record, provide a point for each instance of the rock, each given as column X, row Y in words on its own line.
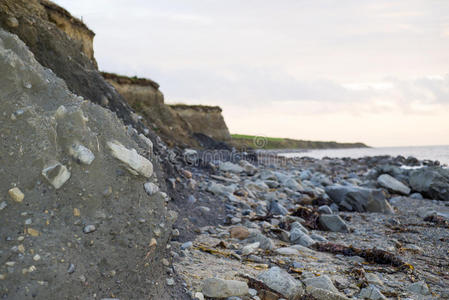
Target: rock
column 322, row 282
column 186, row 245
column 392, row 184
column 198, row 296
column 170, row 281
column 287, row 251
column 239, row 232
column 150, row 188
column 256, row 186
column 219, row 189
column 89, row 228
column 3, row 205
column 230, row 167
column 250, row 248
column 135, row 163
column 248, row 168
column 81, row 154
column 359, row 199
column 277, row 209
column 220, row 288
column 56, row 174
column 431, row 182
column 318, row 238
column 419, row 288
column 12, row 22
column 147, row 142
column 333, row 223
column 416, row 196
column 299, row 237
column 16, row 194
column 320, row 294
column 282, row 282
column 424, row 212
column 372, row 293
column 324, row 209
column 71, row 268
column 372, row 278
column 297, row 225
column 265, row 242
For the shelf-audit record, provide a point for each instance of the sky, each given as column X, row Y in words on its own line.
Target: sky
column 334, row 70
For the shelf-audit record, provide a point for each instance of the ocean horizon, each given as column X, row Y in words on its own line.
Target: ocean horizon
column 439, row 153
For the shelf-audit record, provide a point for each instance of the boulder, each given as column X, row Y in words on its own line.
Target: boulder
column 431, row 182
column 360, row 199
column 392, row 184
column 230, row 167
column 220, row 288
column 248, row 167
column 282, row 282
column 333, row 223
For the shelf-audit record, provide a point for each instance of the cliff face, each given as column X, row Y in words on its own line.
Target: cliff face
column 72, row 26
column 144, row 97
column 207, row 120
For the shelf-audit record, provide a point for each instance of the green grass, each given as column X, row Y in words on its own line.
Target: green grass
column 257, row 142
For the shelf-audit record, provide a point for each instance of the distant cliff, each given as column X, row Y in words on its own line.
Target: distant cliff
column 144, row 96
column 72, row 26
column 207, row 120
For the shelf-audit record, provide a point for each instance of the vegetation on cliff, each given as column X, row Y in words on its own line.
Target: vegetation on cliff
column 251, row 141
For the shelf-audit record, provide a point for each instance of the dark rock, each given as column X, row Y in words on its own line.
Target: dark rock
column 431, row 182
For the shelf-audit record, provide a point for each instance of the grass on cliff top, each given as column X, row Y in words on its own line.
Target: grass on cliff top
column 259, row 142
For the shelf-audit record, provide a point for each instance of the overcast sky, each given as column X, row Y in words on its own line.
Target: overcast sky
column 344, row 70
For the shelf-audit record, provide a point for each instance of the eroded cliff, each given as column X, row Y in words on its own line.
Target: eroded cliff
column 207, row 120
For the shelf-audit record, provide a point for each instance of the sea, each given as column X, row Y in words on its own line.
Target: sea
column 440, row 153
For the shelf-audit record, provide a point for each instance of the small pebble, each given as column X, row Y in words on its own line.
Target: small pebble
column 89, row 228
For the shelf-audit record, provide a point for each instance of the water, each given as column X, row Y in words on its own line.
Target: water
column 440, row 153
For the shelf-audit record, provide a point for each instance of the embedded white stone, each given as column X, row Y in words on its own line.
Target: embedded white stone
column 56, row 173
column 81, row 153
column 135, row 162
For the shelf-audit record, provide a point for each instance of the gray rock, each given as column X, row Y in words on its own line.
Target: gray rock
column 287, row 251
column 419, row 288
column 282, row 282
column 321, row 282
column 359, row 199
column 89, row 228
column 372, row 293
column 186, row 245
column 299, row 237
column 264, row 242
column 220, row 189
column 320, row 294
column 431, row 182
column 299, row 226
column 333, row 223
column 56, row 174
column 416, row 196
column 277, row 209
column 150, row 188
column 230, row 167
column 248, row 168
column 147, row 142
column 250, row 248
column 318, row 238
column 81, row 154
column 220, row 288
column 392, row 184
column 134, row 162
column 324, row 209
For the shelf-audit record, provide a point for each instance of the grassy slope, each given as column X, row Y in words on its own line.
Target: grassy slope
column 250, row 141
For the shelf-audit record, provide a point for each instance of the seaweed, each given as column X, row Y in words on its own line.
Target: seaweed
column 373, row 255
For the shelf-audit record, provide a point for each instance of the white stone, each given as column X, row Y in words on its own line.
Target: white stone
column 135, row 162
column 230, row 167
column 81, row 154
column 147, row 141
column 250, row 248
column 287, row 251
column 151, row 188
column 56, row 174
column 220, row 288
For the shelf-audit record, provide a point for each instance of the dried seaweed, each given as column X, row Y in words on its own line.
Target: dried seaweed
column 437, row 220
column 310, row 216
column 373, row 255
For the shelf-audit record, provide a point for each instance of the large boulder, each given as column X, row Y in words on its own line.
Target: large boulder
column 392, row 184
column 431, row 182
column 76, row 208
column 360, row 199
